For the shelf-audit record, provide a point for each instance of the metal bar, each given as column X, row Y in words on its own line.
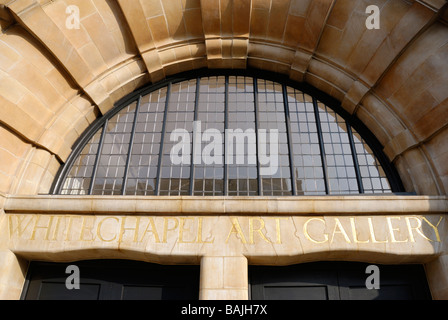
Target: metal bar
column 289, row 136
column 355, row 157
column 162, row 139
column 226, row 126
column 260, row 190
column 131, row 142
column 98, row 155
column 192, row 167
column 321, row 145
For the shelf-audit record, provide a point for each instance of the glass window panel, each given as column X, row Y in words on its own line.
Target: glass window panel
column 180, row 115
column 139, row 163
column 372, row 174
column 209, row 167
column 337, row 151
column 241, row 144
column 78, row 180
column 142, row 173
column 114, row 154
column 276, row 150
column 305, row 144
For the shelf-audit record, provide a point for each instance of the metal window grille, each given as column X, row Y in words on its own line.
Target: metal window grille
column 127, row 152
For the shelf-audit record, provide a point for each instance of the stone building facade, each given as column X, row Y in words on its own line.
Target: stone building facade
column 57, row 78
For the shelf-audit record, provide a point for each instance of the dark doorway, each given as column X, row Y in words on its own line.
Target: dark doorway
column 337, row 281
column 112, row 280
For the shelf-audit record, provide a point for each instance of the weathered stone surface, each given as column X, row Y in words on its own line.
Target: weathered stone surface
column 55, row 81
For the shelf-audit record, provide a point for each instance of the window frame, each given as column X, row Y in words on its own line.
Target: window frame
column 351, row 120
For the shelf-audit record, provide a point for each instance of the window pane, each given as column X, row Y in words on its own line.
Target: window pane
column 80, row 175
column 114, row 153
column 273, row 143
column 142, row 173
column 308, row 168
column 174, row 176
column 340, row 166
column 241, row 138
column 241, row 144
column 209, row 156
column 372, row 174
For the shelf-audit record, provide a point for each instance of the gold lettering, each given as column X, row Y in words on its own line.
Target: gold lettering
column 19, row 229
column 166, row 229
column 434, row 227
column 236, row 228
column 181, row 230
column 277, row 229
column 200, row 233
column 100, row 224
column 153, row 230
column 123, row 229
column 341, row 230
column 189, row 230
column 56, row 229
column 417, row 228
column 372, row 232
column 47, row 227
column 86, row 228
column 355, row 233
column 392, row 229
column 252, row 230
column 307, row 235
column 69, row 227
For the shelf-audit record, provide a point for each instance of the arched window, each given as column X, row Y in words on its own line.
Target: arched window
column 231, row 135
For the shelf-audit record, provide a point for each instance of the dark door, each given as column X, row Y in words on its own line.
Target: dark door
column 112, row 280
column 337, row 281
